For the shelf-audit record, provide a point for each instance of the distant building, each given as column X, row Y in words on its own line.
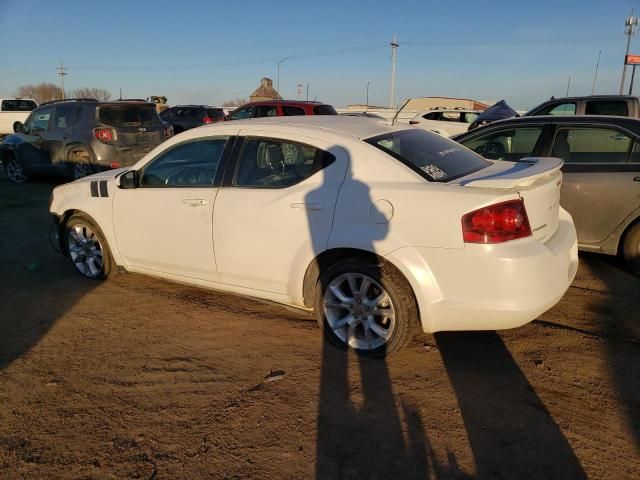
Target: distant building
column 265, row 91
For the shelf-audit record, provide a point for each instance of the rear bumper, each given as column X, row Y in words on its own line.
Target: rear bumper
column 490, row 287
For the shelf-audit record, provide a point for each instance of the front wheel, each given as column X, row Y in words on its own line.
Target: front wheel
column 87, row 247
column 367, row 307
column 15, row 170
column 631, row 248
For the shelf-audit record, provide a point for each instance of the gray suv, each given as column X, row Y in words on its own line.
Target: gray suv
column 81, row 136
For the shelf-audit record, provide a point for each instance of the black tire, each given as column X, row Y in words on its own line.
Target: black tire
column 79, row 222
column 15, row 170
column 631, row 249
column 397, row 288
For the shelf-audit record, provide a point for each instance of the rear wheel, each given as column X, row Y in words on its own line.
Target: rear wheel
column 87, row 247
column 15, row 170
column 631, row 248
column 80, row 165
column 369, row 308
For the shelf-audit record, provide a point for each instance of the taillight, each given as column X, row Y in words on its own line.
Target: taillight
column 496, row 223
column 207, row 120
column 104, row 134
column 116, row 165
column 413, row 122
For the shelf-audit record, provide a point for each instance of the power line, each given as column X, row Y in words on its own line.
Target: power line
column 62, row 71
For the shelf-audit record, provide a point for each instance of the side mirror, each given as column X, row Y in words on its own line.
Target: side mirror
column 18, row 127
column 129, row 179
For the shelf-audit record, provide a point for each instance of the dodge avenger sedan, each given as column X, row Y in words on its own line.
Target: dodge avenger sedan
column 377, row 229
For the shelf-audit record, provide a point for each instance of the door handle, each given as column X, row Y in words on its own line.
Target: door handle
column 194, row 202
column 308, row 206
column 636, row 179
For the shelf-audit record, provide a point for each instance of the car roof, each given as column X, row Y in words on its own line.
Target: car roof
column 357, row 127
column 463, row 110
column 591, row 97
column 283, row 102
column 629, row 123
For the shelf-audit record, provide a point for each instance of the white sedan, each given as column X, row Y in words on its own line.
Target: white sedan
column 445, row 122
column 377, row 229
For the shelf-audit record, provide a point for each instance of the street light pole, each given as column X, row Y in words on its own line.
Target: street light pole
column 308, row 83
column 367, row 95
column 278, row 77
column 629, row 30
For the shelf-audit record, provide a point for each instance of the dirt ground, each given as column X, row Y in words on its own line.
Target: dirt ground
column 141, row 378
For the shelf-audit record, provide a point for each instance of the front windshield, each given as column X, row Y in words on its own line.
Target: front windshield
column 436, row 158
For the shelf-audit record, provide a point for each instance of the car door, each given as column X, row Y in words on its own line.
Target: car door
column 165, row 225
column 280, row 188
column 509, row 142
column 599, row 188
column 32, row 152
column 61, row 132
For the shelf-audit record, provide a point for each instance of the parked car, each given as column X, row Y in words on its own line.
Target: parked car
column 280, row 108
column 377, row 229
column 184, row 117
column 78, row 137
column 445, row 122
column 618, row 105
column 13, row 110
column 371, row 115
column 601, row 186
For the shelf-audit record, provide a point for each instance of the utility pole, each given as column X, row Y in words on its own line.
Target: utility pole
column 568, row 85
column 299, row 91
column 595, row 74
column 633, row 77
column 367, row 95
column 278, row 76
column 394, row 54
column 62, row 71
column 629, row 29
column 308, row 83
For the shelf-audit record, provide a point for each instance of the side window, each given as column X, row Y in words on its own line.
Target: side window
column 290, row 111
column 63, row 117
column 512, row 144
column 242, row 113
column 433, row 116
column 192, row 164
column 607, row 107
column 558, row 109
column 266, row 111
column 17, row 105
column 451, row 117
column 40, row 120
column 167, row 114
column 591, row 145
column 469, row 117
column 271, row 163
column 635, row 153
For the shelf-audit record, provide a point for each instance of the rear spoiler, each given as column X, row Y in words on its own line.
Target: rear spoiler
column 523, row 173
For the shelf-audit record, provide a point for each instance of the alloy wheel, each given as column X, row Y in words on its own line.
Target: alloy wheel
column 15, row 171
column 359, row 311
column 85, row 250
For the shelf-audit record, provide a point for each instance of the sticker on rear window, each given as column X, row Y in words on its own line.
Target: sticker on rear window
column 448, row 151
column 434, row 172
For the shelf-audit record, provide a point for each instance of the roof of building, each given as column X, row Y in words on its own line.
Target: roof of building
column 266, row 89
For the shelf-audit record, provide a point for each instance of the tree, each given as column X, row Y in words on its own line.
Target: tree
column 86, row 92
column 235, row 103
column 42, row 92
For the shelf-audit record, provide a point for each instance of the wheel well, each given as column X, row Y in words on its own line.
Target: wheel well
column 61, row 229
column 625, row 233
column 328, row 258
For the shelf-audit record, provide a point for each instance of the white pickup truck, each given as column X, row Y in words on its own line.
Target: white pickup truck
column 14, row 110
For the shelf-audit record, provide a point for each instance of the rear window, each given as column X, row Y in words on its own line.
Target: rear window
column 436, row 158
column 607, row 107
column 324, row 110
column 215, row 113
column 128, row 115
column 18, row 105
column 292, row 111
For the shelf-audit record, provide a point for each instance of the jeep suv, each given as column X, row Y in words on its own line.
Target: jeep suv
column 78, row 137
column 280, row 108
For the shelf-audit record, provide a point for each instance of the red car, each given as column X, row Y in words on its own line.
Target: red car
column 280, row 108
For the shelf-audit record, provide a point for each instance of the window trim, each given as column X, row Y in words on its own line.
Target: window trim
column 217, row 180
column 634, row 139
column 234, row 163
column 51, row 115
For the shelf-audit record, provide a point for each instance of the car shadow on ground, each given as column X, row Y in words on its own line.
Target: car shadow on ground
column 31, row 270
column 510, row 431
column 619, row 314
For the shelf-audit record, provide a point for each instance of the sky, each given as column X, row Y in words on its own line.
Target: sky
column 197, row 51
